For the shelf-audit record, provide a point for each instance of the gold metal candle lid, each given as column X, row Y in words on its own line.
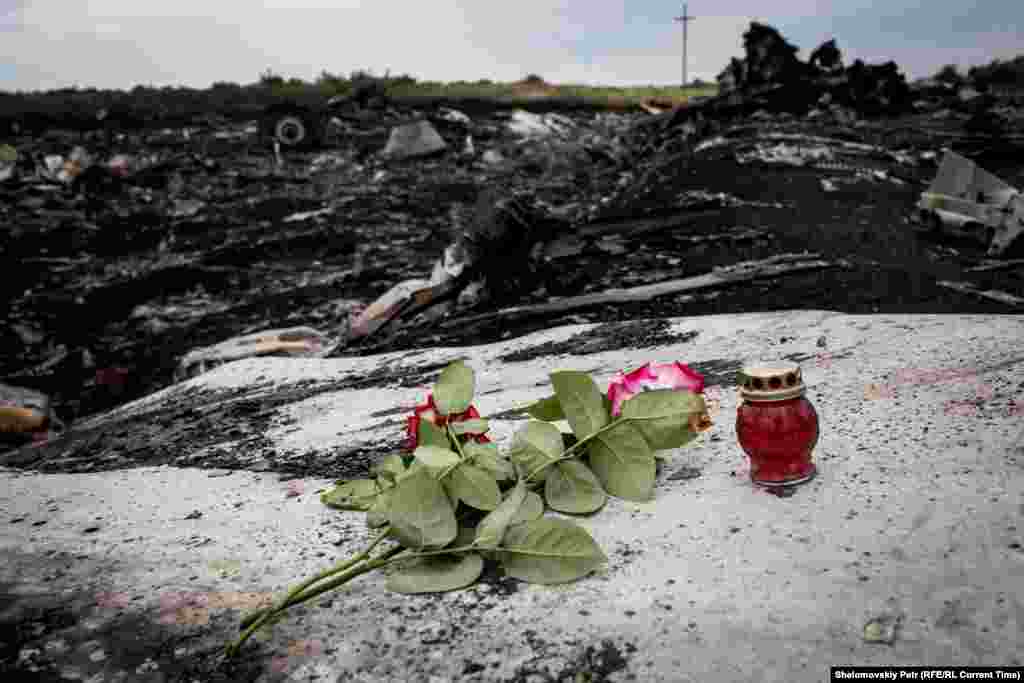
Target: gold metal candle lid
column 774, row 381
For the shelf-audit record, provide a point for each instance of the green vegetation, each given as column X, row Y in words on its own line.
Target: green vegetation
column 528, row 89
column 232, row 100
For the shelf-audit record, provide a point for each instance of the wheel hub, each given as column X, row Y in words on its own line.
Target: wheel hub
column 290, row 131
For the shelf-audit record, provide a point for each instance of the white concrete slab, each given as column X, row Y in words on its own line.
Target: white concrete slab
column 917, row 514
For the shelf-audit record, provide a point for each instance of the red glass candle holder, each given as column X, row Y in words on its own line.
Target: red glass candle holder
column 776, row 425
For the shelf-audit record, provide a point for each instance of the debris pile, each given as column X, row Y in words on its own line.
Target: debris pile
column 968, row 201
column 25, row 416
column 300, row 342
column 141, row 257
column 771, row 77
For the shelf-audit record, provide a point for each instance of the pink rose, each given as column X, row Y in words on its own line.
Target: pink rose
column 675, row 376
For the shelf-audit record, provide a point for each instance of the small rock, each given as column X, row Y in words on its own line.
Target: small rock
column 434, row 632
column 685, row 472
column 492, row 157
column 882, row 629
column 413, row 140
column 195, row 514
column 56, row 646
column 147, row 666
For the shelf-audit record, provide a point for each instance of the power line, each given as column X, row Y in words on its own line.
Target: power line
column 685, row 19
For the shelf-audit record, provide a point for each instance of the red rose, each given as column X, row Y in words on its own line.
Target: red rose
column 428, row 411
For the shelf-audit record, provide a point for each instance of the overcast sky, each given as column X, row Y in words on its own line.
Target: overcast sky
column 122, row 43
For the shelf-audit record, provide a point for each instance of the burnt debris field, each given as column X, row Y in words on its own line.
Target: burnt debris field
column 128, row 244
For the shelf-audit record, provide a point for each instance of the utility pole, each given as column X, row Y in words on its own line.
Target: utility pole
column 685, row 19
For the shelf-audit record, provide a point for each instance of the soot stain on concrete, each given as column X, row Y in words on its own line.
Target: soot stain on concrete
column 339, row 463
column 193, row 418
column 804, row 357
column 46, row 637
column 593, row 663
column 638, row 334
column 719, row 371
column 514, row 414
column 398, row 410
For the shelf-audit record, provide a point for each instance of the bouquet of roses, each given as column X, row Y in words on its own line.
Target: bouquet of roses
column 454, row 501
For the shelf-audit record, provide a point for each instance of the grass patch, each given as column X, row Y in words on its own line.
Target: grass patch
column 145, row 105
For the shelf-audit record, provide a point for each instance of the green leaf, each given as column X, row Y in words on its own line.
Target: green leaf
column 474, row 449
column 548, row 551
column 492, row 527
column 581, row 400
column 355, row 494
column 472, row 426
column 474, row 487
column 391, row 467
column 572, row 488
column 429, row 434
column 436, row 573
column 531, row 509
column 535, row 444
column 453, row 392
column 415, row 467
column 378, row 514
column 436, row 458
column 623, row 462
column 662, row 416
column 485, row 455
column 421, row 515
column 465, row 537
column 547, row 409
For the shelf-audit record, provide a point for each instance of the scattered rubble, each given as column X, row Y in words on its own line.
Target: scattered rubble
column 775, row 266
column 8, row 162
column 175, row 243
column 994, row 295
column 413, row 140
column 968, row 201
column 531, row 125
column 997, row 265
column 25, row 416
column 772, row 78
column 302, row 342
column 388, row 306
